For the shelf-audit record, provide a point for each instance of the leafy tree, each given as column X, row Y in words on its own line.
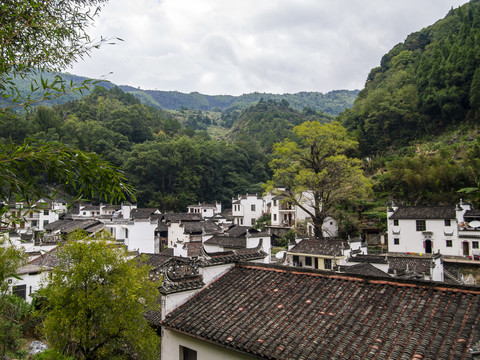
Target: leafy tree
column 11, row 258
column 95, row 301
column 316, row 172
column 84, row 174
column 38, row 36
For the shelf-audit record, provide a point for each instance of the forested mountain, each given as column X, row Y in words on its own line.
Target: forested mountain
column 417, row 119
column 269, row 122
column 170, row 165
column 423, row 85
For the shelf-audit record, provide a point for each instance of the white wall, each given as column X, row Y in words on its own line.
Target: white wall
column 141, row 236
column 31, row 280
column 253, row 241
column 211, row 273
column 411, row 240
column 171, row 342
column 243, row 212
column 176, row 234
column 172, row 301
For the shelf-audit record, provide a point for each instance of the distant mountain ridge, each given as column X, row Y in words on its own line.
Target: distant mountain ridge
column 331, row 103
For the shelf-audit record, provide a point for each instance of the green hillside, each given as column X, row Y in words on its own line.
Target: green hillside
column 417, row 119
column 269, row 122
column 423, row 85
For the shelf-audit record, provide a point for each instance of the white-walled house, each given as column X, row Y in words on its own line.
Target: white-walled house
column 31, row 276
column 206, row 210
column 324, row 254
column 136, row 228
column 448, row 230
column 247, row 209
column 36, row 216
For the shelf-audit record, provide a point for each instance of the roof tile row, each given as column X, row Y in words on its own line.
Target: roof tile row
column 286, row 313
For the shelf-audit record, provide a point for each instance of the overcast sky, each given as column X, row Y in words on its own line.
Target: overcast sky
column 241, row 46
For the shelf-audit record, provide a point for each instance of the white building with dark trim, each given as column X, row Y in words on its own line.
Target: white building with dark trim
column 448, row 230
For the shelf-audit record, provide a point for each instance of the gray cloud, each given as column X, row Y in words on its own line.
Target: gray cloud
column 235, row 47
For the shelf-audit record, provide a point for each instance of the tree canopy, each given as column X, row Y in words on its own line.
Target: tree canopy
column 38, row 36
column 315, row 171
column 422, row 86
column 96, row 299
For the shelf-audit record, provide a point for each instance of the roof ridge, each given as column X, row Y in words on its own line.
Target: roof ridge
column 363, row 278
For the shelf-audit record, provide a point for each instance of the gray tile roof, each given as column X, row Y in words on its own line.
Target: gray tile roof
column 280, row 313
column 319, row 247
column 412, row 263
column 237, row 230
column 227, row 241
column 47, row 260
column 68, row 226
column 198, row 227
column 424, row 212
column 474, row 213
column 182, row 217
column 144, row 213
column 364, row 269
column 229, row 257
column 373, row 259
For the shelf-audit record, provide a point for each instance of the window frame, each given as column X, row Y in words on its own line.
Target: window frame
column 308, row 261
column 186, row 353
column 327, row 264
column 421, row 225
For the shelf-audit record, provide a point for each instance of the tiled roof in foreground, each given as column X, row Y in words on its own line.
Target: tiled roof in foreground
column 289, row 313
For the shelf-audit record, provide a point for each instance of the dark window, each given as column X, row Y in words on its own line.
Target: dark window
column 449, row 243
column 20, row 291
column 274, row 202
column 187, row 354
column 295, row 259
column 327, row 263
column 45, row 222
column 395, row 222
column 253, row 207
column 274, row 217
column 45, row 212
column 474, row 244
column 308, row 261
column 396, row 241
column 421, row 225
column 448, row 222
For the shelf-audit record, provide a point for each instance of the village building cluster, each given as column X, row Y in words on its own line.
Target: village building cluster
column 225, row 294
